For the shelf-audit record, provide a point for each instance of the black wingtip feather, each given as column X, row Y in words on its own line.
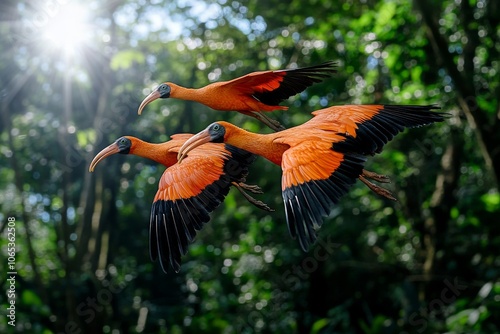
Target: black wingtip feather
column 307, row 203
column 297, row 80
column 173, row 223
column 373, row 134
column 153, row 249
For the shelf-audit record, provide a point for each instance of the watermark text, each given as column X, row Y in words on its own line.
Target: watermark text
column 11, row 271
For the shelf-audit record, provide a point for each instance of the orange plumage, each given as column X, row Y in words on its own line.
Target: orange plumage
column 251, row 94
column 188, row 193
column 323, row 157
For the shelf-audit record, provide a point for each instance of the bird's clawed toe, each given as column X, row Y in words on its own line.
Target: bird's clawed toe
column 271, row 123
column 261, row 205
column 376, row 177
column 253, row 188
column 377, row 189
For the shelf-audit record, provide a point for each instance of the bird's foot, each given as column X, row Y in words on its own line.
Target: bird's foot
column 377, row 189
column 272, row 123
column 261, row 205
column 253, row 188
column 275, row 125
column 376, row 177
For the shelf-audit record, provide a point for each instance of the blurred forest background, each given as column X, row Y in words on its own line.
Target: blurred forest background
column 72, row 75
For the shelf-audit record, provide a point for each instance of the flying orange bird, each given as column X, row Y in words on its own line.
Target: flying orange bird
column 322, row 158
column 252, row 94
column 188, row 193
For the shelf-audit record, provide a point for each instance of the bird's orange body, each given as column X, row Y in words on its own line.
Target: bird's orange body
column 225, row 96
column 250, row 94
column 323, row 157
column 188, row 193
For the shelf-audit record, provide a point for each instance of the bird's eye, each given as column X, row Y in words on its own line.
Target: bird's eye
column 216, row 127
column 164, row 90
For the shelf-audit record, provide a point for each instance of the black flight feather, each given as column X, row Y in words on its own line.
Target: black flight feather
column 173, row 223
column 296, row 81
column 307, row 203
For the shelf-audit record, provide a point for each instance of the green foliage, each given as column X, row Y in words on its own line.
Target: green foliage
column 125, row 59
column 491, row 202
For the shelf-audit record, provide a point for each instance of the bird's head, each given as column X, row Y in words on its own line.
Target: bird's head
column 161, row 92
column 214, row 133
column 122, row 145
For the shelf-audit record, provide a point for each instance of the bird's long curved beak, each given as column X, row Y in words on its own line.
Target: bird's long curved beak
column 192, row 143
column 155, row 95
column 106, row 152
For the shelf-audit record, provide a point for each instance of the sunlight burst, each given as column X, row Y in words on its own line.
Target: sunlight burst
column 68, row 30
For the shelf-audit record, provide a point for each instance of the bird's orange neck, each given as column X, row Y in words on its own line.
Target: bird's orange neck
column 203, row 95
column 160, row 153
column 260, row 144
column 183, row 93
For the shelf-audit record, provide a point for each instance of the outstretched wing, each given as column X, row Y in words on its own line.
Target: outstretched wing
column 316, row 173
column 187, row 193
column 314, row 179
column 367, row 128
column 273, row 87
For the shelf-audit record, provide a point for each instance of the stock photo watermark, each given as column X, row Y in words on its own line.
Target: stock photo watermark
column 11, row 271
column 39, row 15
column 449, row 294
column 323, row 250
column 298, row 273
column 88, row 309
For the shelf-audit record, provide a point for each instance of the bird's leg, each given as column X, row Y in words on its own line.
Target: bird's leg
column 272, row 123
column 377, row 189
column 252, row 188
column 375, row 176
column 261, row 205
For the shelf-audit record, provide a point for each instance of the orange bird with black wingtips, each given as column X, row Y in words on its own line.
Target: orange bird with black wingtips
column 251, row 94
column 322, row 158
column 188, row 193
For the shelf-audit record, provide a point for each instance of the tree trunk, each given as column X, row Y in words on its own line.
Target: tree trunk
column 487, row 129
column 25, row 218
column 442, row 201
